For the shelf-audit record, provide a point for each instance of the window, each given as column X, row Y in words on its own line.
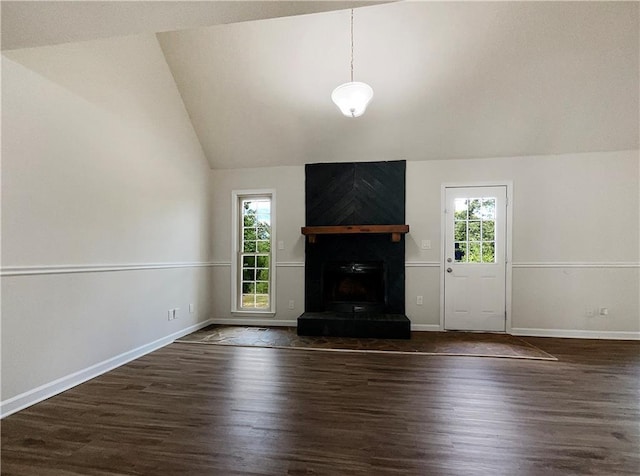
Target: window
column 474, row 228
column 253, row 239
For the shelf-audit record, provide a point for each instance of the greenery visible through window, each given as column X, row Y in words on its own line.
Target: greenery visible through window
column 255, row 253
column 474, row 230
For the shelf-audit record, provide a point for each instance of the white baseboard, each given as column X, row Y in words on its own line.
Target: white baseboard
column 576, row 334
column 255, row 322
column 426, row 327
column 48, row 390
column 294, row 323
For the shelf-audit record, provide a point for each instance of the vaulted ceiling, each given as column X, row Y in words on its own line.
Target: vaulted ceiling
column 451, row 79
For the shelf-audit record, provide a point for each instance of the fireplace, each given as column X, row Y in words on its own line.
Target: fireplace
column 355, row 250
column 354, row 286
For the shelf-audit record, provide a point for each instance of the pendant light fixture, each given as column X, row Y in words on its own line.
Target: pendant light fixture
column 352, row 98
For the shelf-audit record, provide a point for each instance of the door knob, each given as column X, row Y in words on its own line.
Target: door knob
column 448, row 260
column 449, row 270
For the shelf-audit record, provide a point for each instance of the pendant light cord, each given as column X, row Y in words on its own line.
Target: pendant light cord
column 352, row 45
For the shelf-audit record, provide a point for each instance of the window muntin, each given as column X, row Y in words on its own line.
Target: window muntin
column 474, row 230
column 255, row 258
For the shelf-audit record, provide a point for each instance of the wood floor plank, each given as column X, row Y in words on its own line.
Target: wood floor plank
column 207, row 410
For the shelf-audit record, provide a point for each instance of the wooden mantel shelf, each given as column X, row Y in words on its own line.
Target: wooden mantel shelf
column 396, row 231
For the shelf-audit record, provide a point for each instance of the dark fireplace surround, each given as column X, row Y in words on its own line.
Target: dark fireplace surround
column 354, row 286
column 354, row 276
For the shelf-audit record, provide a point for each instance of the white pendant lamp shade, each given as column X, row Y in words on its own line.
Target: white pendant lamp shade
column 352, row 98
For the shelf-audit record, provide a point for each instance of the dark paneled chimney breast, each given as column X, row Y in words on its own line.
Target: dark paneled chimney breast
column 355, row 276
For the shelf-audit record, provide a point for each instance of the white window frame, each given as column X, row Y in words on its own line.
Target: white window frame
column 236, row 197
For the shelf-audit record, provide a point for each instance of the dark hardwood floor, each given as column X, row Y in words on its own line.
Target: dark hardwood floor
column 212, row 410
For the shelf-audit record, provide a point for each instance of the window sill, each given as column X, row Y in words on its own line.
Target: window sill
column 253, row 313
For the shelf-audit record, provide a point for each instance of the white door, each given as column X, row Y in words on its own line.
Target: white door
column 475, row 255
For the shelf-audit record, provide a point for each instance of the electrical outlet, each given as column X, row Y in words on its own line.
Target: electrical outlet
column 175, row 312
column 426, row 244
column 170, row 315
column 603, row 311
column 292, row 304
column 192, row 308
column 281, row 245
column 419, row 301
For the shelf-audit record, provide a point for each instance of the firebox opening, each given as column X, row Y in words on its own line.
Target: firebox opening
column 354, row 287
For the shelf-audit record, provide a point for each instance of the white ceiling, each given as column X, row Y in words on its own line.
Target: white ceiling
column 451, row 79
column 26, row 24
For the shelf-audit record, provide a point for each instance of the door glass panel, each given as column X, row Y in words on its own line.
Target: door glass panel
column 461, row 252
column 488, row 252
column 488, row 230
column 461, row 209
column 474, row 252
column 474, row 230
column 474, row 209
column 488, row 208
column 461, row 231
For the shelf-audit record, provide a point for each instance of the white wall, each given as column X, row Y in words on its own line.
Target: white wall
column 101, row 172
column 289, row 185
column 575, row 238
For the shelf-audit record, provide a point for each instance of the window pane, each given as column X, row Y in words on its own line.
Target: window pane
column 263, row 275
column 488, row 252
column 248, row 274
column 249, row 234
column 262, row 301
column 248, row 288
column 262, row 261
column 262, row 206
column 474, row 209
column 263, row 219
column 249, row 220
column 460, row 231
column 474, row 231
column 263, row 233
column 474, row 253
column 248, row 300
column 488, row 230
column 249, row 246
column 264, row 246
column 262, row 288
column 248, row 261
column 461, row 252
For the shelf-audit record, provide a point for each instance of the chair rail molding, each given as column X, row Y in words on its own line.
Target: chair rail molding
column 100, row 268
column 576, row 264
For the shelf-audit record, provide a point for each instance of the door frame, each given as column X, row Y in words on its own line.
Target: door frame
column 509, row 228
